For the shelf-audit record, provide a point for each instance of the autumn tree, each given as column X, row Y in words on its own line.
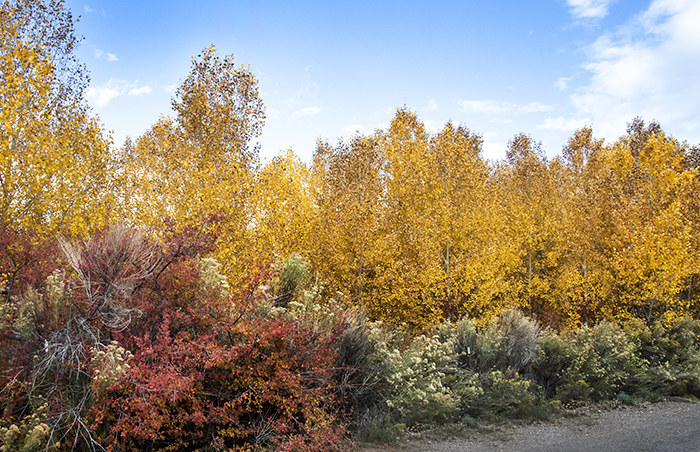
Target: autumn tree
column 691, row 213
column 201, row 162
column 283, row 208
column 529, row 216
column 54, row 159
column 584, row 281
column 409, row 290
column 651, row 244
column 349, row 196
column 472, row 252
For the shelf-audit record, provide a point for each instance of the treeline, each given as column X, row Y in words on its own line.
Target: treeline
column 417, row 227
column 412, row 226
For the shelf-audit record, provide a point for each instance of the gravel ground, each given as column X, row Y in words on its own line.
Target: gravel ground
column 654, row 427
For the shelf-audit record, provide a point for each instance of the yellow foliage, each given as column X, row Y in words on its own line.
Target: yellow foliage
column 54, row 160
column 199, row 164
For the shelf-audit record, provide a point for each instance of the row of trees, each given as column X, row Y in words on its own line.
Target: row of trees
column 417, row 226
column 410, row 225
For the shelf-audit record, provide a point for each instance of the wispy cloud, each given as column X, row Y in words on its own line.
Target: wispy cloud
column 589, row 9
column 433, row 105
column 649, row 68
column 100, row 96
column 306, row 93
column 171, row 88
column 433, row 126
column 563, row 83
column 87, row 9
column 307, row 111
column 500, row 106
column 140, row 91
column 272, row 113
column 563, row 124
column 99, row 53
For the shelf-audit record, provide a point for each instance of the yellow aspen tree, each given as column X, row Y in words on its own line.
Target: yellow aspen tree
column 652, row 255
column 410, row 286
column 529, row 203
column 691, row 214
column 200, row 162
column 283, row 209
column 349, row 194
column 55, row 163
column 584, row 282
column 464, row 225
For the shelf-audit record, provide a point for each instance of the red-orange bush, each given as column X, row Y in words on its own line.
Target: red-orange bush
column 208, row 371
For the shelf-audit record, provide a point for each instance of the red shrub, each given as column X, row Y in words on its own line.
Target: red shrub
column 208, row 371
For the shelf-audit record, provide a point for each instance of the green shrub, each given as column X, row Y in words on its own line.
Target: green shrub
column 510, row 343
column 554, row 357
column 625, row 398
column 502, row 395
column 602, row 358
column 416, row 376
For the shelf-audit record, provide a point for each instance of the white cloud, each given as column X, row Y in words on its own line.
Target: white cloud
column 500, row 106
column 433, row 126
column 308, row 111
column 433, row 105
column 100, row 96
column 270, row 112
column 99, row 53
column 171, row 88
column 589, row 9
column 563, row 82
column 140, row 91
column 87, row 9
column 649, row 68
column 563, row 124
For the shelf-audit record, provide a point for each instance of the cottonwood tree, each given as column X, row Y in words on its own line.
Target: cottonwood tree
column 201, row 161
column 54, row 159
column 349, row 196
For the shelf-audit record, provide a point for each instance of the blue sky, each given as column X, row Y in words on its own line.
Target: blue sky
column 329, row 69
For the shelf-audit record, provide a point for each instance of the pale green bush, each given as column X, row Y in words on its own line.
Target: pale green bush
column 510, row 343
column 416, row 378
column 31, row 435
column 501, row 395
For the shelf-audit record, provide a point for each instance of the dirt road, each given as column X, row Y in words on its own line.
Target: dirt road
column 658, row 427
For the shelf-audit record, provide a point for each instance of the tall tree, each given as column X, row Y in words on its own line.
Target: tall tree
column 350, row 182
column 530, row 205
column 54, row 159
column 284, row 209
column 200, row 162
column 652, row 254
column 584, row 282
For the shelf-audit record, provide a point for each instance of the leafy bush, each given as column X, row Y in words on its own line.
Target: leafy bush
column 603, row 358
column 502, row 395
column 416, row 377
column 512, row 342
